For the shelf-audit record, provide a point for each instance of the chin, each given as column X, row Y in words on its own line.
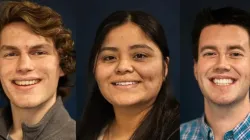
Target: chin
column 224, row 101
column 123, row 104
column 27, row 103
column 128, row 103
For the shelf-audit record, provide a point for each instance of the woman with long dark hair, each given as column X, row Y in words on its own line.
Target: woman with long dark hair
column 128, row 70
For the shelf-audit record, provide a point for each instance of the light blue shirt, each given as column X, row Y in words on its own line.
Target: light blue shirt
column 198, row 130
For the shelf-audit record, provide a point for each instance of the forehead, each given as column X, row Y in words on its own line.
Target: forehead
column 19, row 34
column 127, row 34
column 223, row 35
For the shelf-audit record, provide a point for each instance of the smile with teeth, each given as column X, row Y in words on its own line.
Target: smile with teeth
column 223, row 82
column 25, row 82
column 124, row 83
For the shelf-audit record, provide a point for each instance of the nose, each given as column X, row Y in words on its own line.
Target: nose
column 24, row 64
column 124, row 66
column 222, row 64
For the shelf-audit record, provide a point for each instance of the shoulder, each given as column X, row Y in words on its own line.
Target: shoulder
column 69, row 127
column 67, row 131
column 191, row 129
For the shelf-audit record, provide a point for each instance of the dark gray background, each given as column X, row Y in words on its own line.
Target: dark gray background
column 191, row 97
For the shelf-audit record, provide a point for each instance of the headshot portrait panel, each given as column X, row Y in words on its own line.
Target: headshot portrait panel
column 215, row 70
column 67, row 11
column 129, row 47
column 191, row 96
column 37, row 70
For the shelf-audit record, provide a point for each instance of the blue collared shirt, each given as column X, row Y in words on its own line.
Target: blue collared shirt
column 198, row 130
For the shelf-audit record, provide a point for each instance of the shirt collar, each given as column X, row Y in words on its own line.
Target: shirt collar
column 235, row 133
column 55, row 112
column 243, row 127
column 205, row 129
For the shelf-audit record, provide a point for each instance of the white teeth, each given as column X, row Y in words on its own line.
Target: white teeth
column 125, row 83
column 26, row 83
column 223, row 82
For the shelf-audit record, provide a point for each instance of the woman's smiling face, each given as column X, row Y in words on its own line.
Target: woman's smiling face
column 129, row 69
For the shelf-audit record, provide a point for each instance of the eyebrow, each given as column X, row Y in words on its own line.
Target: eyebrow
column 40, row 46
column 233, row 47
column 15, row 48
column 137, row 46
column 114, row 49
column 229, row 47
column 208, row 47
column 143, row 46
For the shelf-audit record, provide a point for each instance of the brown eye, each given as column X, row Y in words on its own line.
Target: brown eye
column 209, row 54
column 39, row 53
column 12, row 54
column 109, row 58
column 140, row 56
column 236, row 54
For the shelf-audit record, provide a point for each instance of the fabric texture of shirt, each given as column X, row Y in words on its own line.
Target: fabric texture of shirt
column 55, row 125
column 198, row 130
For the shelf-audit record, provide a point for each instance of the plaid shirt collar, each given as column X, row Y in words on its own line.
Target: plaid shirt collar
column 241, row 131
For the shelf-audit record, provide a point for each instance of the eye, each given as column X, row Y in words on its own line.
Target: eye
column 236, row 54
column 12, row 54
column 108, row 58
column 39, row 53
column 140, row 56
column 209, row 54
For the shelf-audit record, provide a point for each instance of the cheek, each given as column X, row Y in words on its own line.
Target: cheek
column 103, row 72
column 152, row 72
column 204, row 67
column 6, row 69
column 153, row 77
column 48, row 66
column 243, row 68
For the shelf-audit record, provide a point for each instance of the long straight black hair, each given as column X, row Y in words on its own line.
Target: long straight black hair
column 163, row 120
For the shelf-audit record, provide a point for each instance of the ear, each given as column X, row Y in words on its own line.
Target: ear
column 195, row 69
column 166, row 63
column 61, row 72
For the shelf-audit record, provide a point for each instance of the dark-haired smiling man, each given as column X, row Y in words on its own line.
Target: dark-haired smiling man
column 221, row 50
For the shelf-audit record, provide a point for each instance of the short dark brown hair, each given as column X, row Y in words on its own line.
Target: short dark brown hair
column 45, row 22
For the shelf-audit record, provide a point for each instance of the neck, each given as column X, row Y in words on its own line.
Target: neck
column 223, row 118
column 28, row 116
column 127, row 119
